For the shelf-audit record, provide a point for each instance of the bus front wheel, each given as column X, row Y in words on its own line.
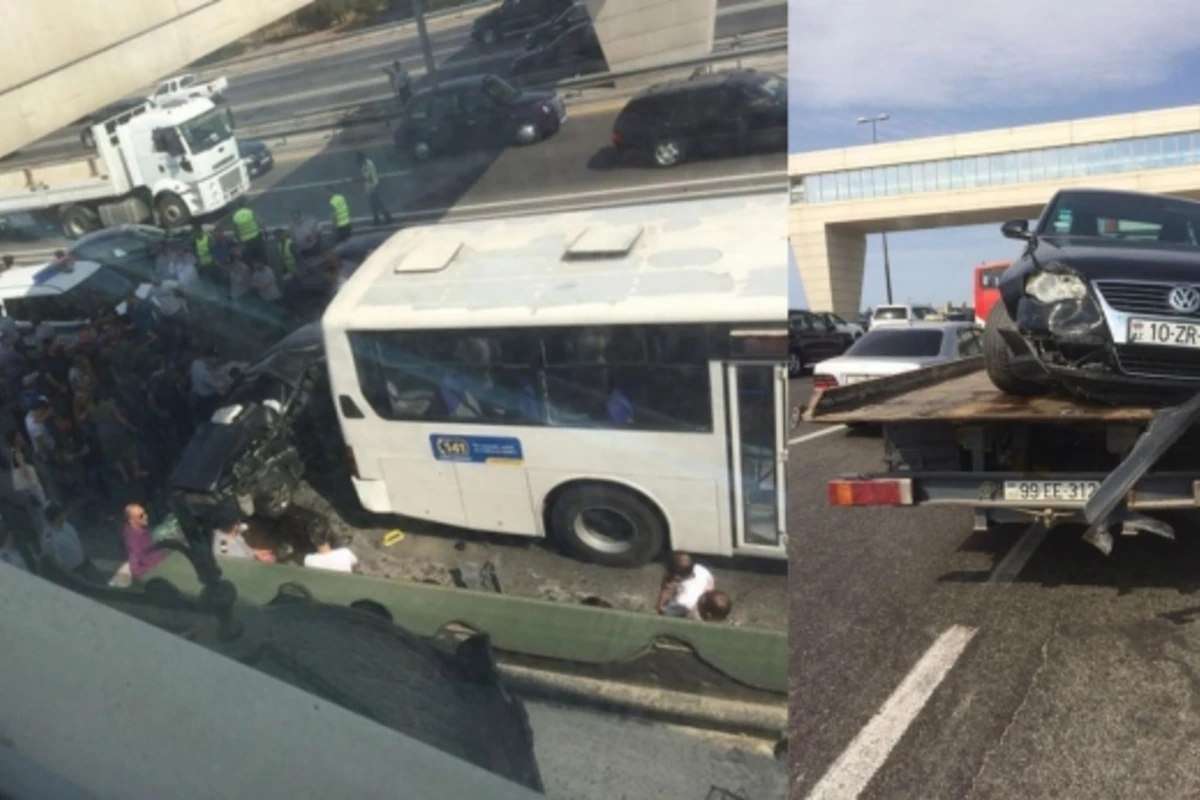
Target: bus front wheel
column 607, row 525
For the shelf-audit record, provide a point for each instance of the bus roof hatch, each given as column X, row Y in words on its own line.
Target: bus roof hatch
column 603, row 241
column 432, row 254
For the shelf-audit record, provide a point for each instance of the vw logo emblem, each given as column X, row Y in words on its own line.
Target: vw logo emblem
column 1184, row 299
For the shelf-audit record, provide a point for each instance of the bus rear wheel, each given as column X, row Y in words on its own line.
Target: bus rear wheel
column 607, row 525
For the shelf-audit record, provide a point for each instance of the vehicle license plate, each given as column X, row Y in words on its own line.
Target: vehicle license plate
column 1059, row 491
column 1171, row 334
column 858, row 378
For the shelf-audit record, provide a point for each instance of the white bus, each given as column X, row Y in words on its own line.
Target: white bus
column 613, row 379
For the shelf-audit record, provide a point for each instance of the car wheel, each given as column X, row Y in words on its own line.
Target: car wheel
column 273, row 497
column 87, row 139
column 795, row 365
column 172, row 211
column 607, row 525
column 421, row 151
column 78, row 221
column 669, row 152
column 997, row 356
column 527, row 133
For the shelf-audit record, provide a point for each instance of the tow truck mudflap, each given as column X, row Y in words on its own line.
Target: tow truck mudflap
column 1108, row 506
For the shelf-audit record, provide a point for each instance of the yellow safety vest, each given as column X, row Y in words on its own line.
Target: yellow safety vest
column 287, row 255
column 204, row 250
column 370, row 175
column 341, row 210
column 246, row 224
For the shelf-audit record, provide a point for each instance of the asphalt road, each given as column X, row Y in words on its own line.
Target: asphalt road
column 309, row 82
column 1069, row 675
column 576, row 166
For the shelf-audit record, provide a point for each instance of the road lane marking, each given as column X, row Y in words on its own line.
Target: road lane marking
column 858, row 764
column 808, row 437
column 1019, row 554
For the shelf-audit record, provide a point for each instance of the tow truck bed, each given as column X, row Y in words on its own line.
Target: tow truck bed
column 951, row 438
column 959, row 391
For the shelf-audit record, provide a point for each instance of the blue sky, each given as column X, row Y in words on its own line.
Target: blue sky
column 943, row 66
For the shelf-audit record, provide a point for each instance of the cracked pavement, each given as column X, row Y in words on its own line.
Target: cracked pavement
column 1082, row 679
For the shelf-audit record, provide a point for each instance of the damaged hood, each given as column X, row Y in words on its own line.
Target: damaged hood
column 216, row 446
column 1102, row 259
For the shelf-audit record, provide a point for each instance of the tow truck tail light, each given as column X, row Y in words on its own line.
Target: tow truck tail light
column 881, row 492
column 351, row 463
column 824, row 382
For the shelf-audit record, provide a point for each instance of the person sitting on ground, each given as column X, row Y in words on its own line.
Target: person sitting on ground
column 61, row 542
column 229, row 540
column 337, row 559
column 714, row 606
column 683, row 586
column 139, row 542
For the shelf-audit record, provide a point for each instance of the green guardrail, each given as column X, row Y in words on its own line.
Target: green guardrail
column 574, row 633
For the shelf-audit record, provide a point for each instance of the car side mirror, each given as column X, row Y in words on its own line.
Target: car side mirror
column 1016, row 229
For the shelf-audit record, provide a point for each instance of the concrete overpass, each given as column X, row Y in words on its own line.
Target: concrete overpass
column 840, row 196
column 67, row 58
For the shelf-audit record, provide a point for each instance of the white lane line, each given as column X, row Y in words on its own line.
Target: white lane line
column 808, row 437
column 1014, row 561
column 854, row 769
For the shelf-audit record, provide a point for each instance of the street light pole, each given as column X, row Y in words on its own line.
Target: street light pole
column 887, row 264
column 418, row 8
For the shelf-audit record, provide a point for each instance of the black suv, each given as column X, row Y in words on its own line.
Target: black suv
column 810, row 340
column 723, row 111
column 574, row 52
column 477, row 112
column 512, row 17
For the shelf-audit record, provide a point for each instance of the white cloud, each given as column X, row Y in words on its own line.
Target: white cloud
column 968, row 53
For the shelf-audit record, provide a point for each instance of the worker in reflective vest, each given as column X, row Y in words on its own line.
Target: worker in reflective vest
column 248, row 233
column 203, row 244
column 341, row 215
column 370, row 176
column 287, row 252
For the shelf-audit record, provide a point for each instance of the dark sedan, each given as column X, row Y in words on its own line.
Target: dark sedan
column 476, row 112
column 257, row 156
column 810, row 340
column 1104, row 301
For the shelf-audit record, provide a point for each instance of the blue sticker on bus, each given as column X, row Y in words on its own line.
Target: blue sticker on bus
column 476, row 449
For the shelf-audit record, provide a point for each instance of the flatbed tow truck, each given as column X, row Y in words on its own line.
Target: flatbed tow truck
column 951, row 438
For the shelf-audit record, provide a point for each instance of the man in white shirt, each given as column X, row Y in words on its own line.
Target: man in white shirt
column 262, row 280
column 685, row 583
column 306, row 233
column 38, row 429
column 335, row 559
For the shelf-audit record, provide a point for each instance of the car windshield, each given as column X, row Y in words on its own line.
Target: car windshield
column 119, row 245
column 892, row 312
column 207, row 130
column 898, row 343
column 498, row 89
column 833, row 319
column 104, row 284
column 1118, row 216
column 771, row 86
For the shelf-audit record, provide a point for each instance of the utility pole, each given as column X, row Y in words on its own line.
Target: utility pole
column 423, row 33
column 887, row 265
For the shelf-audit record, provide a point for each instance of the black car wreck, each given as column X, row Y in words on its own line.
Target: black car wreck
column 1103, row 302
column 277, row 415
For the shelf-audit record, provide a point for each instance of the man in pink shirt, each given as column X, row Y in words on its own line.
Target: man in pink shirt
column 139, row 542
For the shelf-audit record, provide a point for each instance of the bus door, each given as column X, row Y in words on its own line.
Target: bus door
column 756, row 410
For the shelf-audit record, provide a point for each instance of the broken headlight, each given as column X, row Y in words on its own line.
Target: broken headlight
column 1054, row 287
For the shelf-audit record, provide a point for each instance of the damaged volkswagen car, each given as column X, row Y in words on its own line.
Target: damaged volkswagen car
column 1104, row 302
column 277, row 415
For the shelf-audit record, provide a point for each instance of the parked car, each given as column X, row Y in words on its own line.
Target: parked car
column 811, row 339
column 574, row 52
column 901, row 315
column 893, row 350
column 253, row 450
column 477, row 112
column 185, row 87
column 257, row 156
column 852, row 330
column 710, row 112
column 1103, row 301
column 549, row 31
column 513, row 17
